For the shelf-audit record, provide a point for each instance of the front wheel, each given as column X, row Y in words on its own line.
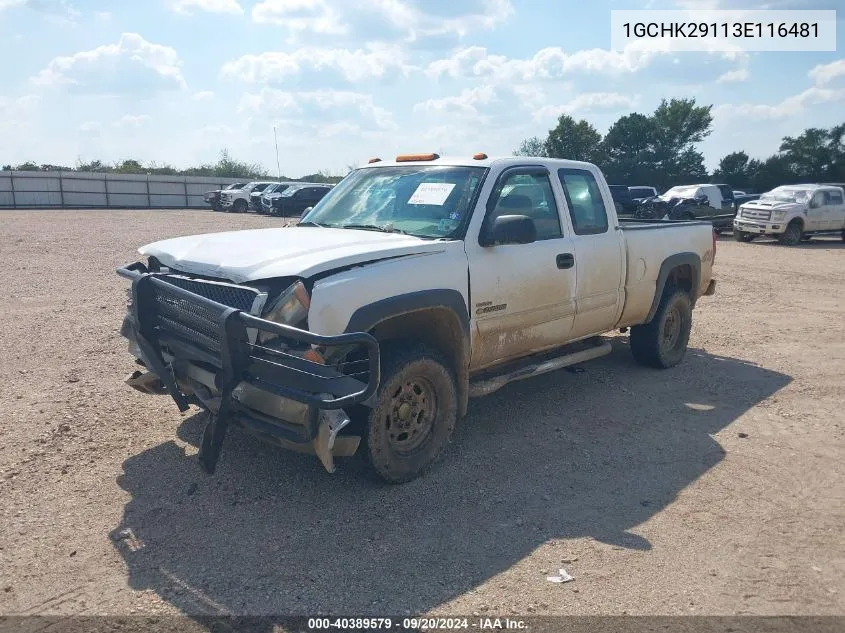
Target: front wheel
column 240, row 206
column 793, row 234
column 662, row 342
column 415, row 415
column 742, row 236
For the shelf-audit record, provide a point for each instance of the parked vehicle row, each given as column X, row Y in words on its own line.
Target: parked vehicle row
column 274, row 198
column 414, row 286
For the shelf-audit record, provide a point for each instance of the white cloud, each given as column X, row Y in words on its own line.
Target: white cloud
column 211, row 6
column 91, row 128
column 103, row 15
column 8, row 4
column 378, row 19
column 319, row 107
column 588, row 102
column 548, row 63
column 826, row 73
column 202, row 95
column 740, row 74
column 374, row 61
column 465, row 103
column 789, row 107
column 132, row 121
column 299, row 15
column 131, row 66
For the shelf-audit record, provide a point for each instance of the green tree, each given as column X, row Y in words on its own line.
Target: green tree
column 534, row 146
column 735, row 170
column 816, row 154
column 628, row 150
column 28, row 166
column 771, row 173
column 574, row 140
column 679, row 124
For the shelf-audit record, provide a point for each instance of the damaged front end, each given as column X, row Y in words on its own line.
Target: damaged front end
column 245, row 370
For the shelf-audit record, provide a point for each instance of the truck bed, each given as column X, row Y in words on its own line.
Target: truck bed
column 648, row 243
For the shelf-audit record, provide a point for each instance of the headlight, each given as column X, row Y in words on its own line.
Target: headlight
column 778, row 216
column 291, row 308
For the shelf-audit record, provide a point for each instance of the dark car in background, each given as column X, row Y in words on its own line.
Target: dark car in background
column 212, row 198
column 622, row 198
column 640, row 193
column 256, row 197
column 297, row 198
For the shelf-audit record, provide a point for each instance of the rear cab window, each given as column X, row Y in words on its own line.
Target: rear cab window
column 585, row 202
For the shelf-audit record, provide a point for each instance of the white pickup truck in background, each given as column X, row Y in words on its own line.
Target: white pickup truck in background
column 237, row 200
column 412, row 286
column 793, row 213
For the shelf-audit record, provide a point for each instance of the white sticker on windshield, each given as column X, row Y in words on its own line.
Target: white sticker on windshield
column 434, row 193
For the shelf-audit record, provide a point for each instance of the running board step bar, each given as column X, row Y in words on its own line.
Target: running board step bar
column 489, row 385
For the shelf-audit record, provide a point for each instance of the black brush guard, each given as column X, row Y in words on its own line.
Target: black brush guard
column 197, row 329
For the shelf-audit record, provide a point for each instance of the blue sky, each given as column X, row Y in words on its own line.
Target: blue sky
column 174, row 81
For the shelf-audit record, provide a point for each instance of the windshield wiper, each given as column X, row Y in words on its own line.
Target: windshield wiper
column 310, row 223
column 387, row 228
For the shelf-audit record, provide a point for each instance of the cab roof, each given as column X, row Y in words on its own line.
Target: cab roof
column 490, row 161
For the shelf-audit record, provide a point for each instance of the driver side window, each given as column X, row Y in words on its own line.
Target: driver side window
column 530, row 195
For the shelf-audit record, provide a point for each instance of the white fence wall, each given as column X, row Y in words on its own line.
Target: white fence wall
column 70, row 189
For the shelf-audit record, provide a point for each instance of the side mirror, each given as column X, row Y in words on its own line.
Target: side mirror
column 511, row 229
column 815, row 203
column 702, row 199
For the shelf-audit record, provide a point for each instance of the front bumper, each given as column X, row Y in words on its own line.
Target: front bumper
column 759, row 228
column 207, row 353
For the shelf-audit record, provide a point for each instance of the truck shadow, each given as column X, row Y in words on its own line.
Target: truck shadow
column 565, row 455
column 819, row 242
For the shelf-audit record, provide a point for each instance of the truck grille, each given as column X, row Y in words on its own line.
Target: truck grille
column 756, row 214
column 193, row 322
column 239, row 297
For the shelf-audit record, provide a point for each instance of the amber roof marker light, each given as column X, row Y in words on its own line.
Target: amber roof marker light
column 479, row 156
column 407, row 158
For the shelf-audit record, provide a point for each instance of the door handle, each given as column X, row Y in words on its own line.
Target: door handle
column 565, row 260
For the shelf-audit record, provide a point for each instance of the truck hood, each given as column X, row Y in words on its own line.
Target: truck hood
column 774, row 205
column 241, row 256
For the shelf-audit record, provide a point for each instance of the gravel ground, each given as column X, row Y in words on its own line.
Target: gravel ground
column 717, row 487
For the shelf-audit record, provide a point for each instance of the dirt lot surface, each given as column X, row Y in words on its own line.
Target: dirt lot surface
column 716, row 487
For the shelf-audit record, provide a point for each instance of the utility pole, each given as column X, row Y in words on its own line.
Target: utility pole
column 278, row 164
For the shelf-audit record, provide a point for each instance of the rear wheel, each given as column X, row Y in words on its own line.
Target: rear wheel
column 793, row 233
column 416, row 412
column 662, row 342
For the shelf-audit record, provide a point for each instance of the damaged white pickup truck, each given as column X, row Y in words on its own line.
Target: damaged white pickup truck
column 409, row 288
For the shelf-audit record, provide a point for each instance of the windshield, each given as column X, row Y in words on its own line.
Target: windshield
column 425, row 201
column 680, row 192
column 289, row 191
column 236, row 185
column 787, row 194
column 640, row 192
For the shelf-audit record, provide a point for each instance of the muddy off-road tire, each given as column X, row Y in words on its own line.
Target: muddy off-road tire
column 416, row 412
column 793, row 234
column 662, row 342
column 742, row 236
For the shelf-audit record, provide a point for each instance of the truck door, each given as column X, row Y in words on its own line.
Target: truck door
column 816, row 213
column 522, row 295
column 834, row 210
column 599, row 253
